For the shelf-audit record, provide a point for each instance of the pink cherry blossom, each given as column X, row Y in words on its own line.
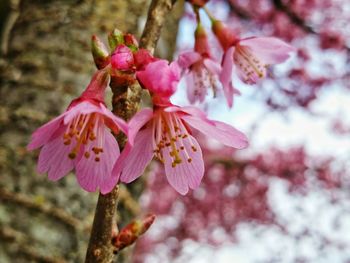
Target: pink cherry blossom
column 80, row 139
column 200, row 73
column 166, row 135
column 249, row 59
column 160, row 79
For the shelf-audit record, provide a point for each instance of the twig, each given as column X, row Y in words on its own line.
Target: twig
column 45, row 208
column 155, row 19
column 8, row 25
column 297, row 20
column 125, row 104
column 9, row 234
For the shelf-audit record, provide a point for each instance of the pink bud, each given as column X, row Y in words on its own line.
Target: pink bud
column 160, row 78
column 122, row 58
column 129, row 234
column 130, row 40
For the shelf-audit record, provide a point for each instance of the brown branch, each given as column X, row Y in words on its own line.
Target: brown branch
column 28, row 202
column 157, row 13
column 295, row 18
column 125, row 102
column 9, row 23
column 19, row 240
column 240, row 12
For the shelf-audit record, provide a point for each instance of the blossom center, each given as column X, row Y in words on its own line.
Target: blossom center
column 82, row 130
column 172, row 140
column 249, row 64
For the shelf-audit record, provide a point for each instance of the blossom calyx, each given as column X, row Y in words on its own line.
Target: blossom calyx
column 99, row 52
column 201, row 45
column 129, row 234
column 225, row 35
column 198, row 3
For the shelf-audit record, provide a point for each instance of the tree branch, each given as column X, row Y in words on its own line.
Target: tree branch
column 125, row 104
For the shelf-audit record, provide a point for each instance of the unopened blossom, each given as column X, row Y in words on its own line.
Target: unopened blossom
column 248, row 58
column 201, row 70
column 160, row 79
column 80, row 139
column 166, row 133
column 122, row 58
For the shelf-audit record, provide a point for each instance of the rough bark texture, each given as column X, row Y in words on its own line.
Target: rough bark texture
column 46, row 62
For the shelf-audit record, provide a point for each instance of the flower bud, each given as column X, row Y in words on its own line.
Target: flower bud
column 122, row 58
column 131, row 42
column 99, row 52
column 115, row 38
column 129, row 234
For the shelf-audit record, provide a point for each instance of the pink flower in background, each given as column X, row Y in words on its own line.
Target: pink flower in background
column 166, row 135
column 248, row 57
column 201, row 70
column 79, row 138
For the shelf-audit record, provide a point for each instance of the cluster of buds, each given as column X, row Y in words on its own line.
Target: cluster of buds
column 248, row 58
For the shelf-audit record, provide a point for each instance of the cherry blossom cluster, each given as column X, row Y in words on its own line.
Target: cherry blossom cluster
column 81, row 137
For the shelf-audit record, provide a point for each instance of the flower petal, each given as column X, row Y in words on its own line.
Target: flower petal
column 186, row 174
column 190, row 87
column 226, row 76
column 218, row 130
column 113, row 122
column 269, row 50
column 134, row 159
column 212, row 66
column 187, row 59
column 91, row 174
column 54, row 159
column 137, row 122
column 43, row 134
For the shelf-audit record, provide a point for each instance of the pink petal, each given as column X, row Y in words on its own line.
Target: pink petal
column 187, row 59
column 137, row 122
column 134, row 160
column 160, row 78
column 217, row 130
column 44, row 133
column 226, row 75
column 92, row 175
column 190, row 87
column 113, row 122
column 269, row 50
column 54, row 159
column 188, row 110
column 186, row 174
column 212, row 66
